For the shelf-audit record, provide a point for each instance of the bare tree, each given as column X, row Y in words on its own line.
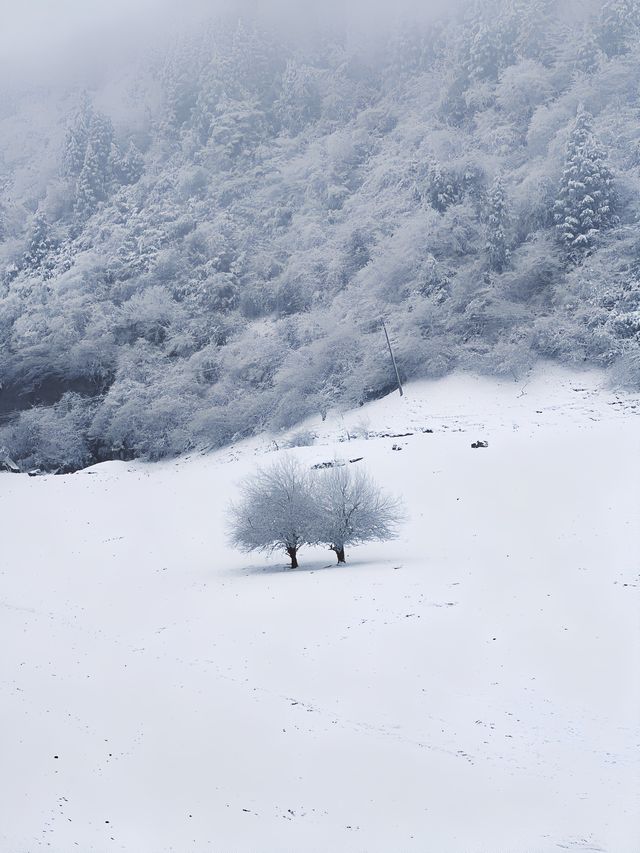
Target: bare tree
column 351, row 508
column 275, row 510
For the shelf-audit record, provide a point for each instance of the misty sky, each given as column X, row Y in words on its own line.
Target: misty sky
column 41, row 31
column 45, row 35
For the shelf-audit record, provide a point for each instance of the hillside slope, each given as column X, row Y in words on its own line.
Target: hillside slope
column 472, row 686
column 201, row 240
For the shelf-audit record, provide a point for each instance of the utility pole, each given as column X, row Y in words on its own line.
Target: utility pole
column 393, row 358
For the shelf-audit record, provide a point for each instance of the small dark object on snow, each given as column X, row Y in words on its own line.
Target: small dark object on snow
column 357, row 459
column 397, row 447
column 477, row 444
column 424, row 429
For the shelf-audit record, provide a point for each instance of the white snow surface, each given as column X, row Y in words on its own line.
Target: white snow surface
column 471, row 687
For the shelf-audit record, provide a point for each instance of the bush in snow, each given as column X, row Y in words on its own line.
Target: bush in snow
column 360, row 429
column 302, row 438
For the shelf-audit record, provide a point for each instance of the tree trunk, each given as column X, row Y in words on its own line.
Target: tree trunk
column 292, row 552
column 339, row 549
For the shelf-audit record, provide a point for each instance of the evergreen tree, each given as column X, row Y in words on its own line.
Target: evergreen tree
column 96, row 174
column 509, row 30
column 89, row 187
column 497, row 246
column 585, row 204
column 76, row 141
column 36, row 257
column 179, row 95
column 74, row 151
column 443, row 189
column 130, row 165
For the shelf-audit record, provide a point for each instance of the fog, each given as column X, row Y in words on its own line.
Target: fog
column 41, row 42
column 197, row 234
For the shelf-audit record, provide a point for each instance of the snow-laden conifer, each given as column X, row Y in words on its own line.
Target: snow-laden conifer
column 96, row 174
column 77, row 137
column 585, row 204
column 497, row 247
column 39, row 247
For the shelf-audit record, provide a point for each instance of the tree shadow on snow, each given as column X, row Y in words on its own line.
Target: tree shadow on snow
column 315, row 565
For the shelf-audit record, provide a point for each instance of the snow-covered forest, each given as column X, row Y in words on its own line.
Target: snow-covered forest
column 203, row 243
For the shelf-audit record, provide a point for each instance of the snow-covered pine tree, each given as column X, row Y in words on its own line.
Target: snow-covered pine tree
column 586, row 199
column 77, row 137
column 130, row 165
column 39, row 247
column 443, row 189
column 497, row 246
column 74, row 151
column 89, row 187
column 96, row 173
column 507, row 30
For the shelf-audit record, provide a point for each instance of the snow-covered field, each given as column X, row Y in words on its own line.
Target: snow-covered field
column 469, row 688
